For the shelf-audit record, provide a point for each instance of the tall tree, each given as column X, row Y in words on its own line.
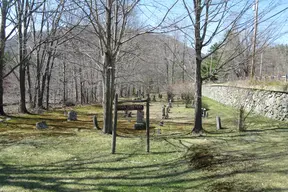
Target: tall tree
column 24, row 10
column 4, row 11
column 209, row 19
column 110, row 23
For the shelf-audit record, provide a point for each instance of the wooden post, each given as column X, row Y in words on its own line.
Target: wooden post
column 147, row 124
column 218, row 122
column 115, row 125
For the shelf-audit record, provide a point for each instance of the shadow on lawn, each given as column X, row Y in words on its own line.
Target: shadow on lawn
column 103, row 173
column 68, row 176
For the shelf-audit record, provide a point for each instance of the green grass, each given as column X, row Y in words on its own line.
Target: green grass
column 270, row 85
column 72, row 156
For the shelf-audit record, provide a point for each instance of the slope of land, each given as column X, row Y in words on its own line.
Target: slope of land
column 71, row 156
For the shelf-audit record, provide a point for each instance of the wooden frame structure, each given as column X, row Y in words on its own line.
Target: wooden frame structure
column 135, row 107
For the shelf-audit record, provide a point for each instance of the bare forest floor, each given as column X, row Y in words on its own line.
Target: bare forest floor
column 72, row 156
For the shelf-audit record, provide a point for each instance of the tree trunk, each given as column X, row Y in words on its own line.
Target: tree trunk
column 30, row 86
column 76, row 85
column 2, row 52
column 198, row 80
column 198, row 99
column 106, row 100
column 64, row 83
column 22, row 71
column 48, row 91
column 22, row 107
column 81, row 87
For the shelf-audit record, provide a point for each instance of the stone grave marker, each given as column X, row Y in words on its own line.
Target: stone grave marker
column 193, row 104
column 126, row 113
column 170, row 103
column 204, row 112
column 72, row 116
column 168, row 109
column 166, row 115
column 218, row 122
column 140, row 124
column 95, row 122
column 159, row 131
column 41, row 125
column 163, row 112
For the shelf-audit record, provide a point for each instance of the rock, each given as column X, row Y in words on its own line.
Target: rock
column 41, row 125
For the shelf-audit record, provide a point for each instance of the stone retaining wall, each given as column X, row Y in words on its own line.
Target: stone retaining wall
column 271, row 104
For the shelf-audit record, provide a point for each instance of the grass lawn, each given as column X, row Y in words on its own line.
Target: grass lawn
column 72, row 156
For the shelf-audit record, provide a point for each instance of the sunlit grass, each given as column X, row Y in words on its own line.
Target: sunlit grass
column 270, row 85
column 72, row 156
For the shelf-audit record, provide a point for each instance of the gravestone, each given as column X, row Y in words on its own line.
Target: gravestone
column 193, row 104
column 72, row 116
column 218, row 122
column 126, row 113
column 41, row 125
column 95, row 122
column 140, row 124
column 170, row 103
column 204, row 112
column 163, row 112
column 159, row 131
column 129, row 114
column 167, row 111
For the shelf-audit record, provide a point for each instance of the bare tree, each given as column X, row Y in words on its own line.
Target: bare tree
column 4, row 11
column 110, row 23
column 46, row 37
column 208, row 20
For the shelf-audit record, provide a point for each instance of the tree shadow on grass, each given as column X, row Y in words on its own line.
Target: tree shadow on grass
column 92, row 175
column 128, row 172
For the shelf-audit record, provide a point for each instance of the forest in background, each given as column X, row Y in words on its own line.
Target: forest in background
column 79, row 52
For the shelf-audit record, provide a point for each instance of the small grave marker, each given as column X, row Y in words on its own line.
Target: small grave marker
column 163, row 112
column 167, row 111
column 140, row 124
column 95, row 122
column 72, row 116
column 41, row 125
column 204, row 112
column 218, row 122
column 170, row 103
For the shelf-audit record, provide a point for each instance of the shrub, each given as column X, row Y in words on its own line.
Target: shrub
column 69, row 103
column 185, row 91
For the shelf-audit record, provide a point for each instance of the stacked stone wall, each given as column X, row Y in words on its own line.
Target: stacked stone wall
column 271, row 104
